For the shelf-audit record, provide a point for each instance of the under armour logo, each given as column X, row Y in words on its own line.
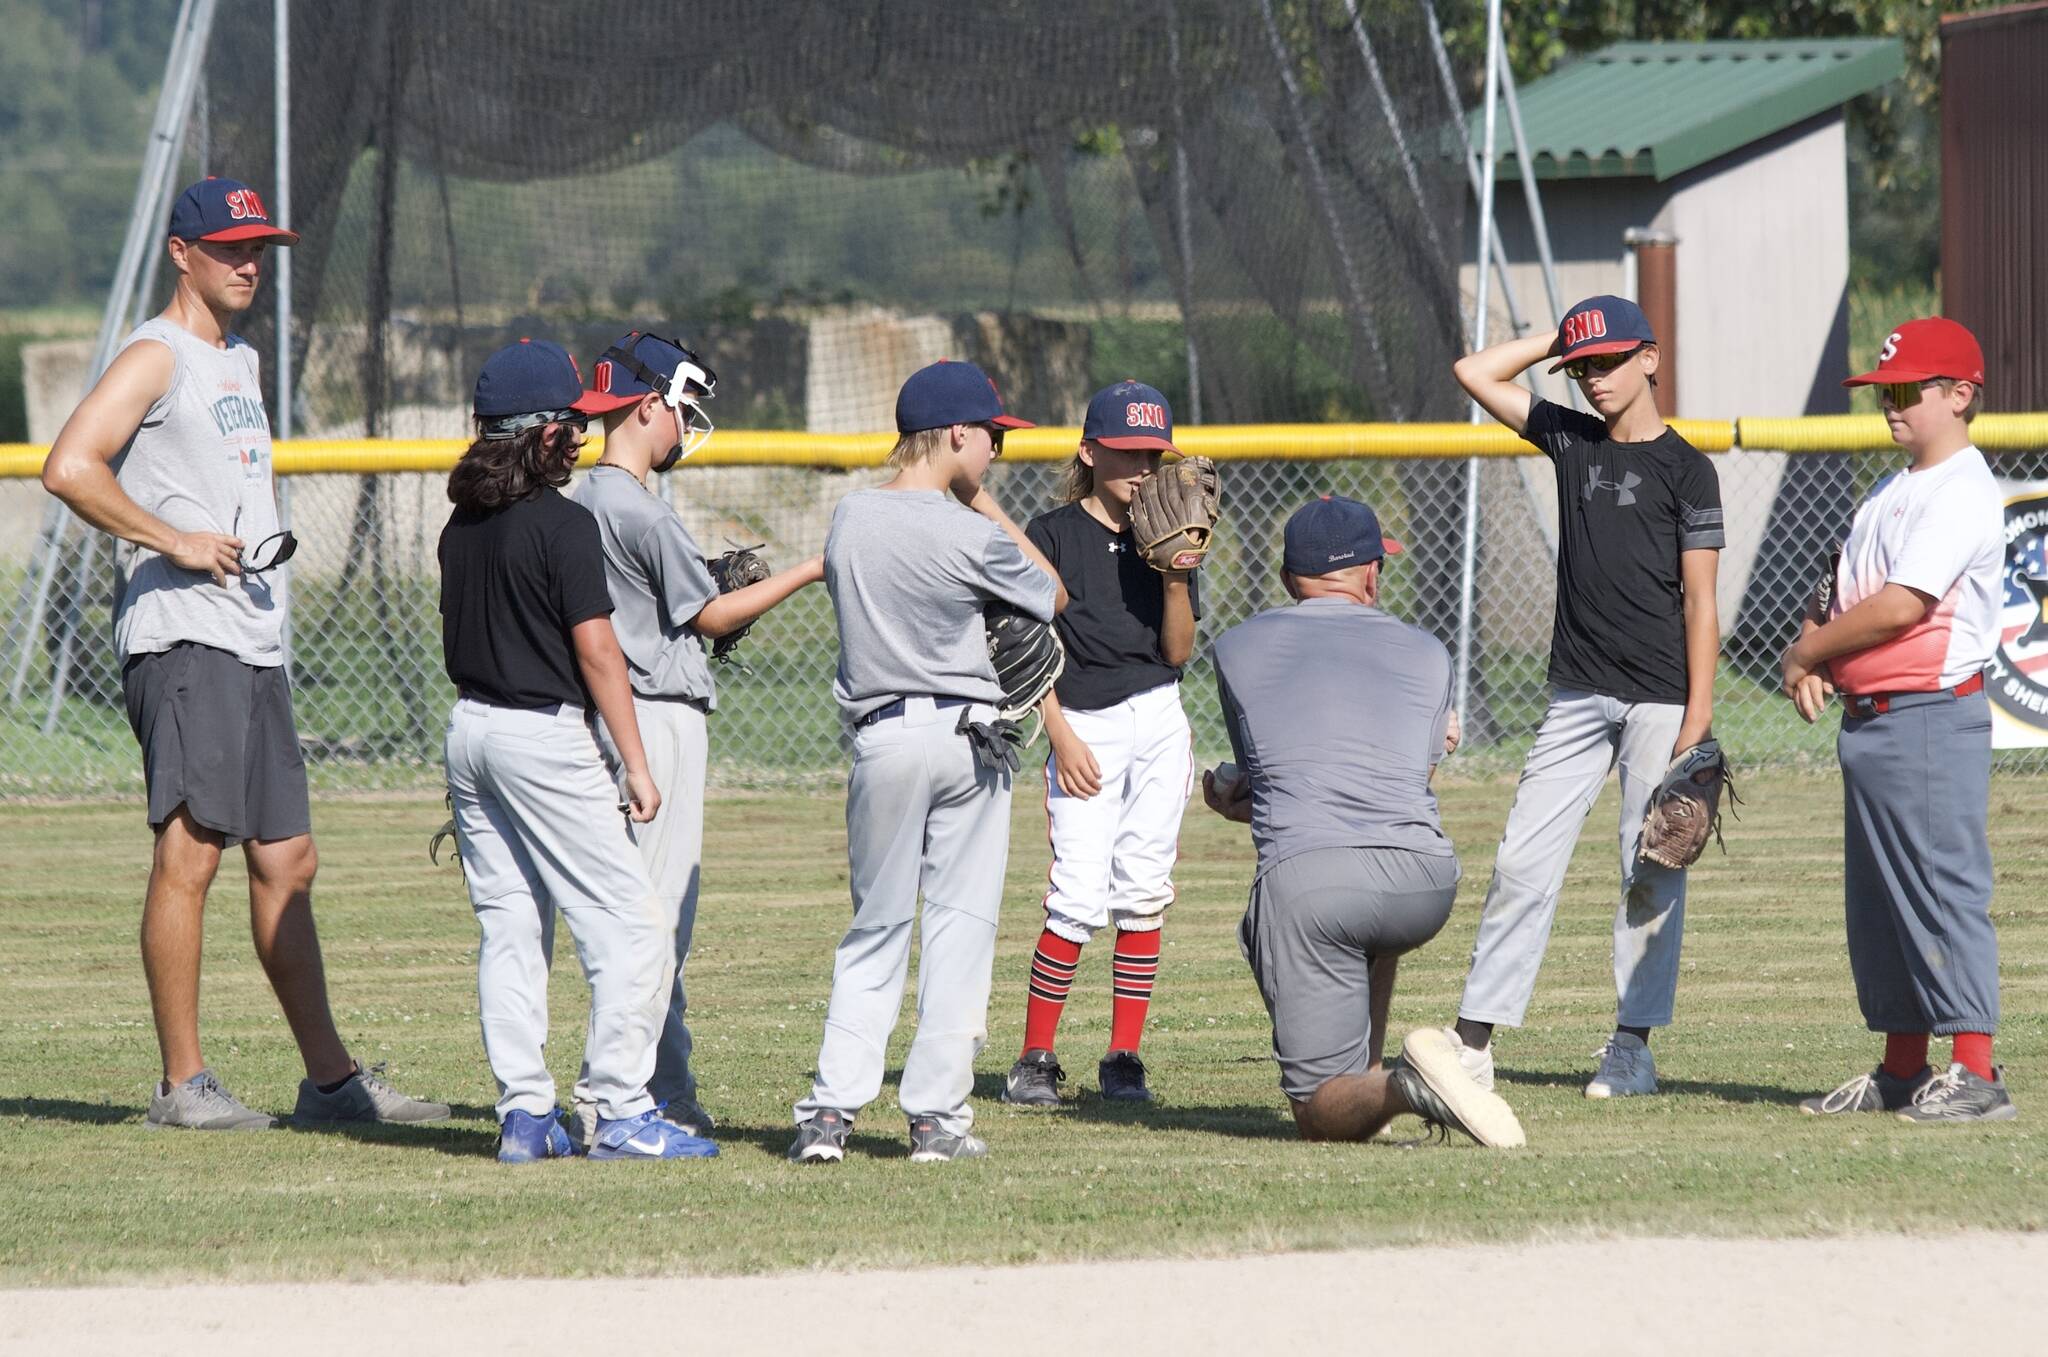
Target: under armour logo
column 1116, row 545
column 1624, row 489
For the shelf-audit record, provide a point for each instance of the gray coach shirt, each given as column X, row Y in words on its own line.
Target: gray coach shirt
column 200, row 462
column 909, row 572
column 658, row 583
column 1337, row 712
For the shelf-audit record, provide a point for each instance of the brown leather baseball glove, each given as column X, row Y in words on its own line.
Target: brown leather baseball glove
column 1174, row 513
column 1687, row 807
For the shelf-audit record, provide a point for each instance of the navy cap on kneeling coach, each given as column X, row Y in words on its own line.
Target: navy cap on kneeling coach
column 532, row 377
column 951, row 393
column 1332, row 533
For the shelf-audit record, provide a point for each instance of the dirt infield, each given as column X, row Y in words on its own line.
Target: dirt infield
column 1867, row 1296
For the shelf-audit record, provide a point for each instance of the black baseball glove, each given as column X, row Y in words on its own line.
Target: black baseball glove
column 1028, row 658
column 736, row 569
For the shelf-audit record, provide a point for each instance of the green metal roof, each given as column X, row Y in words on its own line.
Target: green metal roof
column 1656, row 109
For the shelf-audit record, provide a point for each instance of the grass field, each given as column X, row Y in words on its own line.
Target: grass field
column 1766, row 1014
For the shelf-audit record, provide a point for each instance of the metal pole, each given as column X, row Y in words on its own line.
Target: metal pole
column 1180, row 216
column 145, row 222
column 1468, row 566
column 281, row 359
column 1531, row 198
column 1387, row 111
column 1499, row 251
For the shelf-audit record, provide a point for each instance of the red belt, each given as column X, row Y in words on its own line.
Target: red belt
column 1877, row 704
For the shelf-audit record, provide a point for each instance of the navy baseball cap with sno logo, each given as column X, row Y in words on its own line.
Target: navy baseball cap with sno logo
column 1601, row 325
column 1332, row 533
column 1130, row 417
column 225, row 209
column 951, row 393
column 536, row 379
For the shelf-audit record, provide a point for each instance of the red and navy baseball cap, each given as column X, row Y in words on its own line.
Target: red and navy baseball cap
column 1921, row 350
column 535, row 379
column 948, row 392
column 225, row 209
column 640, row 364
column 1130, row 417
column 1332, row 533
column 1601, row 324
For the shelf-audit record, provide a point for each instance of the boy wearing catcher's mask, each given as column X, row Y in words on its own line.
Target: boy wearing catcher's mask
column 651, row 393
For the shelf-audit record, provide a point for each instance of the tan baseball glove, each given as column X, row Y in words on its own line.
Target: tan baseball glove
column 1174, row 513
column 1687, row 807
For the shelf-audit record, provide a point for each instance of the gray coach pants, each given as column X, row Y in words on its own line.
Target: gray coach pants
column 1583, row 736
column 922, row 816
column 1916, row 792
column 671, row 845
column 538, row 826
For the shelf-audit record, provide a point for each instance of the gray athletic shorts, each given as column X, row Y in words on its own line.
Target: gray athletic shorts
column 1315, row 922
column 217, row 738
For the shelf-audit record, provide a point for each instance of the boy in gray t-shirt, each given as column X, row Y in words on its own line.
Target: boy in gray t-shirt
column 1338, row 714
column 911, row 564
column 665, row 607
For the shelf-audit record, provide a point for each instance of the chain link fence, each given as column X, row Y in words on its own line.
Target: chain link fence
column 372, row 698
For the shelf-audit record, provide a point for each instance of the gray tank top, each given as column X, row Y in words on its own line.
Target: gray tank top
column 201, row 463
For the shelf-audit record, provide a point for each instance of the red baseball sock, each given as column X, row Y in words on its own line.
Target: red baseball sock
column 1134, row 969
column 1905, row 1054
column 1052, row 976
column 1973, row 1052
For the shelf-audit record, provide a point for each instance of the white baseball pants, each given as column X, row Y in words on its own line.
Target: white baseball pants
column 676, row 742
column 1113, row 853
column 922, row 817
column 1583, row 736
column 539, row 830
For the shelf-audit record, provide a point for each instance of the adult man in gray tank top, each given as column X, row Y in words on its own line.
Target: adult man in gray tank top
column 170, row 453
column 1338, row 714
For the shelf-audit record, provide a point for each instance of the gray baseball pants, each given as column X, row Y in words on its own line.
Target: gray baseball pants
column 1583, row 736
column 538, row 827
column 676, row 742
column 922, row 817
column 1916, row 792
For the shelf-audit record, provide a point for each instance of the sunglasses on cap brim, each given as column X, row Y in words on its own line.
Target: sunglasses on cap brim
column 511, row 426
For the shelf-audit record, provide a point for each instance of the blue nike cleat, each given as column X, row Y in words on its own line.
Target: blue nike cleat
column 525, row 1138
column 648, row 1136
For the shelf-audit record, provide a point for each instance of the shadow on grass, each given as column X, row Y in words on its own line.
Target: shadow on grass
column 1706, row 1088
column 67, row 1109
column 451, row 1137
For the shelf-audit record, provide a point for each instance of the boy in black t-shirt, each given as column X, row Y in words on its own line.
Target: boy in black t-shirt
column 1122, row 764
column 1632, row 657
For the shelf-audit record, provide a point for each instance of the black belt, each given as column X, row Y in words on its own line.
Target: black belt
column 889, row 709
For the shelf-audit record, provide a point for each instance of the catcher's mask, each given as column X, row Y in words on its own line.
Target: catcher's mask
column 684, row 393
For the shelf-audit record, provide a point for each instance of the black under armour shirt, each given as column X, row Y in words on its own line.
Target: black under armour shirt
column 1625, row 513
column 513, row 584
column 1115, row 605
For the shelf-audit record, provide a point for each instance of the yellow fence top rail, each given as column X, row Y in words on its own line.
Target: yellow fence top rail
column 1225, row 442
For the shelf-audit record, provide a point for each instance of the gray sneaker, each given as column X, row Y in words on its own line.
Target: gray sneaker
column 365, row 1097
column 1961, row 1095
column 1877, row 1091
column 1034, row 1081
column 201, row 1104
column 1435, row 1085
column 821, row 1139
column 930, row 1145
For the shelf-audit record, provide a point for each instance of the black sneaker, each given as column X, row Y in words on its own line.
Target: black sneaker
column 1122, row 1076
column 1436, row 1087
column 1878, row 1091
column 1961, row 1095
column 931, row 1145
column 821, row 1139
column 1034, row 1081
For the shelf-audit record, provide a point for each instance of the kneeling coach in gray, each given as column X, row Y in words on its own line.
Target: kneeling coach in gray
column 1338, row 714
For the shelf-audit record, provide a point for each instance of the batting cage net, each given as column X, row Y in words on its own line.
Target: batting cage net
column 1255, row 205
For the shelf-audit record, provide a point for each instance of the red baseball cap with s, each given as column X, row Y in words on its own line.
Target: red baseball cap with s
column 1921, row 350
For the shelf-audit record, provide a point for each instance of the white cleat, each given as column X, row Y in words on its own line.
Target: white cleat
column 1626, row 1069
column 1432, row 1081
